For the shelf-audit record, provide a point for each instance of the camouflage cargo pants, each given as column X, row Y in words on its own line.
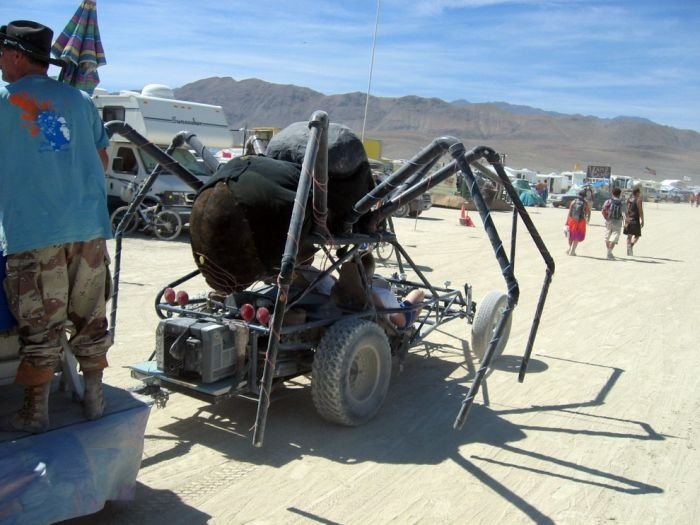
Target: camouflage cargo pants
column 59, row 289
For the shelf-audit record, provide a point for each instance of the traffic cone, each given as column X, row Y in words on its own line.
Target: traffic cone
column 464, row 218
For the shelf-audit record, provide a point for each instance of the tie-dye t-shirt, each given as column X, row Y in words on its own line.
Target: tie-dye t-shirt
column 52, row 184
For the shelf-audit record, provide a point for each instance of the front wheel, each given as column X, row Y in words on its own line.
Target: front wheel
column 351, row 372
column 117, row 217
column 488, row 314
column 168, row 225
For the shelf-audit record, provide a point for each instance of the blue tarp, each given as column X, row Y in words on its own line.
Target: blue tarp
column 73, row 470
column 531, row 198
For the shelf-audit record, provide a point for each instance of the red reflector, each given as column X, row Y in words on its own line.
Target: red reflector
column 263, row 315
column 247, row 312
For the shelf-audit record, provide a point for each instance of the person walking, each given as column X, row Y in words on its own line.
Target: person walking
column 53, row 222
column 589, row 196
column 576, row 221
column 634, row 220
column 613, row 214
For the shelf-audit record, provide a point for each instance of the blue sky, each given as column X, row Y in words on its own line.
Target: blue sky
column 593, row 57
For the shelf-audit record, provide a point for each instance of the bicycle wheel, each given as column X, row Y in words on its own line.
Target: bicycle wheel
column 117, row 217
column 384, row 250
column 167, row 225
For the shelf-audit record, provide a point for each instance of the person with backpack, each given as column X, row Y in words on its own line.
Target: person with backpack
column 613, row 214
column 576, row 221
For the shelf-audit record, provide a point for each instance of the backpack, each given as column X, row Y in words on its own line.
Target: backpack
column 577, row 209
column 615, row 210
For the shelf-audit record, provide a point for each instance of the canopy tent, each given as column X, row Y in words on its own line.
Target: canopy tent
column 80, row 47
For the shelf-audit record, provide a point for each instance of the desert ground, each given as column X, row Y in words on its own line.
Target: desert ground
column 604, row 428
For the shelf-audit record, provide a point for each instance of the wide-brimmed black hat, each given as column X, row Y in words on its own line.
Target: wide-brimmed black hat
column 31, row 38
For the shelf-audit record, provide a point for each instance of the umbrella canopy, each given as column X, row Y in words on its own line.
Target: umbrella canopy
column 79, row 46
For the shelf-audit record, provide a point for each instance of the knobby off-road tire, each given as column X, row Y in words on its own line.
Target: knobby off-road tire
column 168, row 225
column 488, row 313
column 351, row 372
column 118, row 215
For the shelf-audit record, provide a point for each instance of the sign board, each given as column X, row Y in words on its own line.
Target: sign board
column 598, row 172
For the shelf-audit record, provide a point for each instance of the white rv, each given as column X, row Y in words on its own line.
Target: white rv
column 555, row 183
column 575, row 178
column 522, row 173
column 158, row 116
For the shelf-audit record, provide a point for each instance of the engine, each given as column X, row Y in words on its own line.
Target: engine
column 199, row 350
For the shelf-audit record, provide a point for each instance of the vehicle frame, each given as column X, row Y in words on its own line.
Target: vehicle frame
column 270, row 353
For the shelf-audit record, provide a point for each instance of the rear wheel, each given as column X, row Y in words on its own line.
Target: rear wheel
column 488, row 314
column 351, row 372
column 117, row 217
column 168, row 225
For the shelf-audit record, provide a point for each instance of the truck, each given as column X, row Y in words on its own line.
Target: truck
column 156, row 114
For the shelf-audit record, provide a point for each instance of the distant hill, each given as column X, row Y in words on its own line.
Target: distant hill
column 530, row 137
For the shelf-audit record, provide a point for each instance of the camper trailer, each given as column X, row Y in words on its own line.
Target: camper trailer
column 574, row 178
column 522, row 173
column 555, row 183
column 158, row 116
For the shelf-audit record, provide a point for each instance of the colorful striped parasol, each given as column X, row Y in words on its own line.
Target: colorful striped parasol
column 79, row 46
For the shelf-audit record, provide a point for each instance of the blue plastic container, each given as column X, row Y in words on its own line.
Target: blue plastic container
column 7, row 321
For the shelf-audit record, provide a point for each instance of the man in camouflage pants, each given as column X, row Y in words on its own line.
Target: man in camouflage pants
column 53, row 222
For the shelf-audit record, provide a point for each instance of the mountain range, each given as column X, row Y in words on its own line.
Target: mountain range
column 529, row 137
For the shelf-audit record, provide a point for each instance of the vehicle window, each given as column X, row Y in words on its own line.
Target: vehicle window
column 113, row 113
column 129, row 163
column 183, row 156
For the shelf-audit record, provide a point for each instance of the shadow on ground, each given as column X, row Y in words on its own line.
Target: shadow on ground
column 148, row 503
column 414, row 427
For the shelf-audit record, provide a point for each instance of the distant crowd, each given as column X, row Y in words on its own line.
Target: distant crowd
column 621, row 218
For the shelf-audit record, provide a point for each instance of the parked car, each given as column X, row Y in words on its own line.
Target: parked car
column 599, row 198
column 563, row 200
column 411, row 209
column 678, row 195
column 415, row 207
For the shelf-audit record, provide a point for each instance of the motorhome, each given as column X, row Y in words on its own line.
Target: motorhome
column 621, row 181
column 158, row 116
column 521, row 173
column 555, row 183
column 650, row 189
column 575, row 178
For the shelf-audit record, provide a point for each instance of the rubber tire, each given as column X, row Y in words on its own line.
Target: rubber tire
column 384, row 250
column 488, row 313
column 168, row 225
column 402, row 211
column 117, row 216
column 351, row 349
